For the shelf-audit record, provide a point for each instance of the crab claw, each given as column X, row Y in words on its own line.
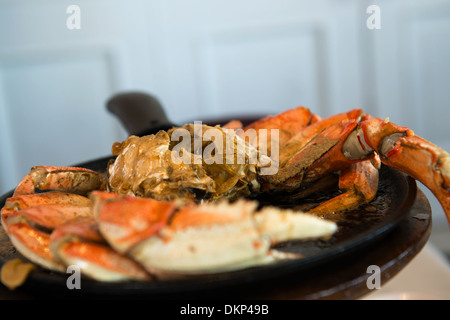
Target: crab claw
column 205, row 239
column 400, row 148
column 171, row 241
column 189, row 244
column 68, row 179
column 283, row 225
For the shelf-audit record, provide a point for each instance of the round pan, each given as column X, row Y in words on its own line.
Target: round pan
column 357, row 229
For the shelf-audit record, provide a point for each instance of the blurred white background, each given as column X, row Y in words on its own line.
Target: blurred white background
column 208, row 58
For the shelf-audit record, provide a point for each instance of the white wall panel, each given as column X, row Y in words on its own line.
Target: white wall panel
column 431, row 77
column 428, row 81
column 264, row 70
column 55, row 81
column 55, row 109
column 412, row 66
column 8, row 167
column 412, row 71
column 218, row 54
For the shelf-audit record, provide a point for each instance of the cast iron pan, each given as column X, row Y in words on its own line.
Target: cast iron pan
column 357, row 230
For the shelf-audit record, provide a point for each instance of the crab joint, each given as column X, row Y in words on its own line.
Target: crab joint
column 443, row 166
column 356, row 147
column 390, row 143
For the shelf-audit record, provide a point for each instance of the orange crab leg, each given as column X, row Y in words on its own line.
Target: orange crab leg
column 7, row 213
column 320, row 157
column 70, row 179
column 61, row 200
column 52, row 197
column 413, row 155
column 54, row 215
column 128, row 220
column 82, row 227
column 288, row 123
column 79, row 242
column 102, row 263
column 32, row 243
column 323, row 155
column 233, row 124
column 359, row 184
column 29, row 219
column 300, row 139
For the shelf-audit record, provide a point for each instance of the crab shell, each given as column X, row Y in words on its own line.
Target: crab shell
column 162, row 167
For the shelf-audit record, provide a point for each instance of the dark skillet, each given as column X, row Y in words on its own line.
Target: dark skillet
column 357, row 230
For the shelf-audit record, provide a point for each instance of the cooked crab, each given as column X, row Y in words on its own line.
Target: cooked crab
column 115, row 237
column 305, row 148
column 166, row 216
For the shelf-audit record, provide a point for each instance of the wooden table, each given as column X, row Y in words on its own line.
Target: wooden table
column 346, row 278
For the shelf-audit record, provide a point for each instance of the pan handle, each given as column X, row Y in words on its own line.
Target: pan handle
column 140, row 113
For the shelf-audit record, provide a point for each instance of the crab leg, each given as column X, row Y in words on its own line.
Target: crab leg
column 32, row 241
column 53, row 215
column 288, row 123
column 54, row 198
column 308, row 159
column 29, row 220
column 233, row 124
column 69, row 179
column 300, row 139
column 79, row 242
column 318, row 158
column 400, row 148
column 127, row 220
column 34, row 244
column 359, row 184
